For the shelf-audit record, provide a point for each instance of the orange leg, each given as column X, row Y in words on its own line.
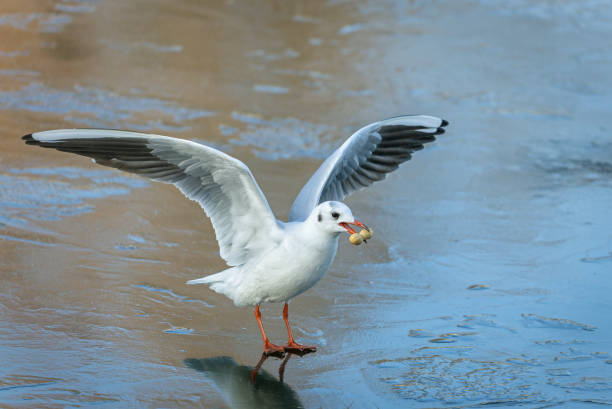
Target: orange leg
column 291, row 345
column 268, row 347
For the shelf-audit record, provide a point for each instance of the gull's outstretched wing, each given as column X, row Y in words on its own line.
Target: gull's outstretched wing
column 221, row 184
column 366, row 157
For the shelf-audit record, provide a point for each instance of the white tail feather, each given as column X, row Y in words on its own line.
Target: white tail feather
column 207, row 280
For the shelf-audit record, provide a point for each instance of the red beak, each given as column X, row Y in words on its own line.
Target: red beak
column 356, row 223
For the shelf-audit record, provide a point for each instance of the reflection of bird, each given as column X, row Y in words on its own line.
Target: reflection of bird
column 270, row 261
column 234, row 382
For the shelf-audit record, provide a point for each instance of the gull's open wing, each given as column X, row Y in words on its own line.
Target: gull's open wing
column 221, row 184
column 366, row 157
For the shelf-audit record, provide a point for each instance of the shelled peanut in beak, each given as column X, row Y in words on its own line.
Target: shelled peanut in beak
column 357, row 238
column 366, row 234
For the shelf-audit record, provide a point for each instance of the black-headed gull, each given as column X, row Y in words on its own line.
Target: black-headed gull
column 269, row 260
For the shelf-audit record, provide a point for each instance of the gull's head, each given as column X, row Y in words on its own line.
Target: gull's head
column 334, row 217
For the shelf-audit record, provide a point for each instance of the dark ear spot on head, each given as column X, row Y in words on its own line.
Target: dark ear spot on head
column 320, row 217
column 335, row 215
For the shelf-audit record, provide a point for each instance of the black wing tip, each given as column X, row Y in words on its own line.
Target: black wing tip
column 441, row 129
column 29, row 139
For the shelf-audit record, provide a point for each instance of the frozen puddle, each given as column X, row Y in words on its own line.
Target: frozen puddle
column 98, row 108
column 268, row 138
column 54, row 193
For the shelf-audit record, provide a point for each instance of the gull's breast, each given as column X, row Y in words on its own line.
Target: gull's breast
column 293, row 268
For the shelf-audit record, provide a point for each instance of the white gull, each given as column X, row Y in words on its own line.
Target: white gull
column 269, row 260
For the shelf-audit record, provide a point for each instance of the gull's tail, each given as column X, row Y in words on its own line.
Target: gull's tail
column 226, row 282
column 211, row 279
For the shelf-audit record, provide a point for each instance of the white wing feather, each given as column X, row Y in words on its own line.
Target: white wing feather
column 366, row 157
column 221, row 184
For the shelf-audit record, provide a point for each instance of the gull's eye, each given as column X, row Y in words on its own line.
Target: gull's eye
column 335, row 215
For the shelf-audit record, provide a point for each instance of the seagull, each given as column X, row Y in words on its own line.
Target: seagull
column 269, row 261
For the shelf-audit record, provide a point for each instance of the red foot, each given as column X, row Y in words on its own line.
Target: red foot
column 270, row 349
column 299, row 349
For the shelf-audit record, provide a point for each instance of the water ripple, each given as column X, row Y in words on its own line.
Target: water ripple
column 44, row 193
column 171, row 295
column 269, row 138
column 43, row 22
column 538, row 320
column 100, row 108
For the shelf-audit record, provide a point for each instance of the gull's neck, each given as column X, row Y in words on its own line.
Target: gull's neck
column 318, row 237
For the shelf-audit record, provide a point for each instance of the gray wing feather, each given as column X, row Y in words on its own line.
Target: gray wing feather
column 222, row 185
column 366, row 157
